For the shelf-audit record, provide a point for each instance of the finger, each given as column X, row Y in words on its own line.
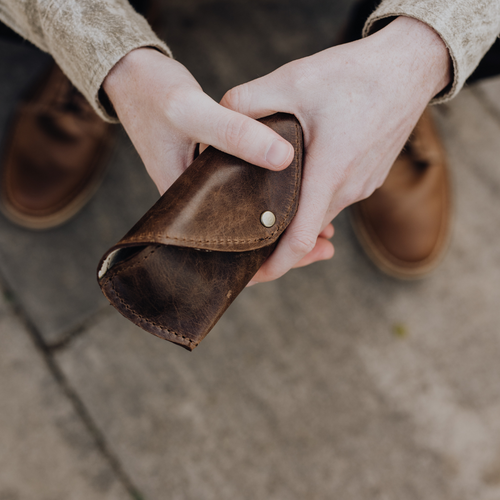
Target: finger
column 334, row 209
column 261, row 97
column 300, row 237
column 241, row 136
column 323, row 250
column 298, row 241
column 327, row 232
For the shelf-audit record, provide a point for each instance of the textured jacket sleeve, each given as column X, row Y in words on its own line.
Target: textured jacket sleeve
column 467, row 27
column 85, row 37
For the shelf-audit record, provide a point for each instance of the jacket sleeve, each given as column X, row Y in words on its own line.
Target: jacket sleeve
column 467, row 27
column 85, row 37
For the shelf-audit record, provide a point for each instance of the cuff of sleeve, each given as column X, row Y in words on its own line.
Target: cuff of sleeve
column 96, row 95
column 86, row 47
column 386, row 13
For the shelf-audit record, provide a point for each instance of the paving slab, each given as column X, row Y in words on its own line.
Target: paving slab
column 333, row 382
column 52, row 273
column 46, row 453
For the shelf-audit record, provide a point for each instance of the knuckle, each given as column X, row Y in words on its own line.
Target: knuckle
column 379, row 182
column 233, row 98
column 267, row 274
column 360, row 194
column 301, row 74
column 345, row 197
column 353, row 193
column 235, row 131
column 370, row 186
column 302, row 243
column 174, row 107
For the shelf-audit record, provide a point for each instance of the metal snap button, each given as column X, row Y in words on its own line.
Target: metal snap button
column 268, row 219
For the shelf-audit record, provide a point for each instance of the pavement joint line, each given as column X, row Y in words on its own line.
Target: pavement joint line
column 80, row 330
column 47, row 354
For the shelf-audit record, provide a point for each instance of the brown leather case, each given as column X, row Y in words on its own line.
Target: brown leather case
column 180, row 267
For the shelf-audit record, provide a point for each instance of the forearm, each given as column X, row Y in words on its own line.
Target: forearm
column 85, row 37
column 468, row 28
column 411, row 52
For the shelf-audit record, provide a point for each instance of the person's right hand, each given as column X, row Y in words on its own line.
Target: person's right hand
column 357, row 104
column 166, row 113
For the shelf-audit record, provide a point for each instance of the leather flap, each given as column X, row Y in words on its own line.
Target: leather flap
column 217, row 203
column 179, row 293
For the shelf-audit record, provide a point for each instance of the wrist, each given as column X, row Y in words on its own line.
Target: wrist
column 417, row 55
column 125, row 76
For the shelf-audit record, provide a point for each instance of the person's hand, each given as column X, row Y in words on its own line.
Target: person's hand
column 166, row 113
column 357, row 104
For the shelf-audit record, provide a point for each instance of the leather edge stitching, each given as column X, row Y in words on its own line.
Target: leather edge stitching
column 231, row 240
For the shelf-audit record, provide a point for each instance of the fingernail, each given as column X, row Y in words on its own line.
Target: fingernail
column 278, row 153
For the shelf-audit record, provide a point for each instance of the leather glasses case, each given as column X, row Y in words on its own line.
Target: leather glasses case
column 180, row 267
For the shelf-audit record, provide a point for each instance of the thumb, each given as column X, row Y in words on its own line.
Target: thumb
column 244, row 137
column 258, row 98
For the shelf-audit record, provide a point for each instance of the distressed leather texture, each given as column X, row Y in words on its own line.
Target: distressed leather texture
column 180, row 267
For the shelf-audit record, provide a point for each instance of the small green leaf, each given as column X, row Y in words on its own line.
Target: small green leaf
column 400, row 330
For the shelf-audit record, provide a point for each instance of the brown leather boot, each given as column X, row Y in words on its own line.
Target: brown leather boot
column 56, row 154
column 404, row 225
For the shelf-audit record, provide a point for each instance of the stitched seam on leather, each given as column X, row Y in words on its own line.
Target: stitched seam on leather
column 133, row 311
column 130, row 265
column 234, row 240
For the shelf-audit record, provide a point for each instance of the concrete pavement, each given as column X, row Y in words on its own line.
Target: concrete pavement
column 333, row 382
